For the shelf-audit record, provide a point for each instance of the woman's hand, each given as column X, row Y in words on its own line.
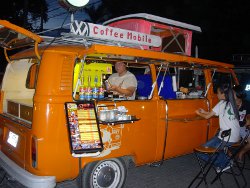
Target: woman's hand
column 200, row 111
column 204, row 113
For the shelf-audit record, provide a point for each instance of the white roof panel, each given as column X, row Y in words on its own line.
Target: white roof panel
column 154, row 18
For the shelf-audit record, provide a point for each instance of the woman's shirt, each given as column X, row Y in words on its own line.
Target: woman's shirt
column 227, row 120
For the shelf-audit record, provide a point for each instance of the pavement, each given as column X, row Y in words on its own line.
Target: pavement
column 173, row 173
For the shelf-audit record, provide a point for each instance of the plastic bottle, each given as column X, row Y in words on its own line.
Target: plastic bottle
column 95, row 89
column 101, row 90
column 82, row 91
column 88, row 94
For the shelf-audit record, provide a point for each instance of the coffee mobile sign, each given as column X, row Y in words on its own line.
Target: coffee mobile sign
column 114, row 34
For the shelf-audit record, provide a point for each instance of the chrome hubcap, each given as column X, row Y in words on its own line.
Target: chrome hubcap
column 107, row 174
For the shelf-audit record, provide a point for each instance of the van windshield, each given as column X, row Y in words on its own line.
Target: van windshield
column 11, row 39
column 12, row 36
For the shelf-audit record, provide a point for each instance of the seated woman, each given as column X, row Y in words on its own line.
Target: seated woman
column 228, row 114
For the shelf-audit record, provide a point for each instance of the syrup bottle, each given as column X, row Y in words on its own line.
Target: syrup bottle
column 95, row 89
column 82, row 91
column 101, row 89
column 88, row 93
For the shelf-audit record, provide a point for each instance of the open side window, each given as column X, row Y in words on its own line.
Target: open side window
column 91, row 73
column 176, row 82
column 13, row 37
column 191, row 83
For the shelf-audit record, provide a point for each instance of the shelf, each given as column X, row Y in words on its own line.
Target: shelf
column 119, row 122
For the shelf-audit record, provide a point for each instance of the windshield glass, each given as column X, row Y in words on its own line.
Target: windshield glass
column 11, row 39
column 12, row 36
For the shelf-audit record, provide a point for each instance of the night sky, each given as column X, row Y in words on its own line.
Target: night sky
column 224, row 24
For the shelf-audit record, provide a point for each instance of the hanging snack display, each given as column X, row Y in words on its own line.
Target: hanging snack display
column 83, row 127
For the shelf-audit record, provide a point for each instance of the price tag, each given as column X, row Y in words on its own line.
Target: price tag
column 12, row 139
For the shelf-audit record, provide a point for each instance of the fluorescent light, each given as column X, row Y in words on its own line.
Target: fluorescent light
column 78, row 3
column 247, row 87
column 73, row 5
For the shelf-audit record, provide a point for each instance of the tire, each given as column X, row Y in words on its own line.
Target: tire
column 109, row 173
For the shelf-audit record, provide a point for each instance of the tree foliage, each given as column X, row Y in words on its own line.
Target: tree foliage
column 24, row 12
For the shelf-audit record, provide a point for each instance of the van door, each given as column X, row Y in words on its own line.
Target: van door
column 14, row 141
column 17, row 109
column 14, row 123
column 185, row 130
column 144, row 138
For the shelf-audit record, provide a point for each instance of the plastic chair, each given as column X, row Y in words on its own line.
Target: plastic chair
column 212, row 154
column 233, row 153
column 246, row 155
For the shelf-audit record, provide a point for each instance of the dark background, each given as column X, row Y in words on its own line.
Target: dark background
column 224, row 24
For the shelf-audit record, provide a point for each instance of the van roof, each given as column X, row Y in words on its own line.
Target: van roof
column 106, row 52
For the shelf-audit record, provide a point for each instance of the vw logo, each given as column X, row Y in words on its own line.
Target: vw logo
column 80, row 28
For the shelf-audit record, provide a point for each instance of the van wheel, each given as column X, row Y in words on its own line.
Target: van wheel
column 110, row 173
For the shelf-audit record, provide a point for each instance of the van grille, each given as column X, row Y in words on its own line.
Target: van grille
column 67, row 75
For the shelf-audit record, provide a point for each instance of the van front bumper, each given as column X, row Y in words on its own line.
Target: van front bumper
column 24, row 177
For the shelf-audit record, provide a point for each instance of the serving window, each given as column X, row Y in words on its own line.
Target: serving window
column 92, row 73
column 190, row 83
column 176, row 82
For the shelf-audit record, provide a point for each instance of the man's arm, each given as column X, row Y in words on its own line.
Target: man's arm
column 127, row 92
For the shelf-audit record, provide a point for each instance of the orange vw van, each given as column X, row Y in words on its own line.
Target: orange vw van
column 58, row 122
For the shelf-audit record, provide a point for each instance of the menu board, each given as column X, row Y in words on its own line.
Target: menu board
column 84, row 132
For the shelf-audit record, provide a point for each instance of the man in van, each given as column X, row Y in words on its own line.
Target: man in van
column 123, row 82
